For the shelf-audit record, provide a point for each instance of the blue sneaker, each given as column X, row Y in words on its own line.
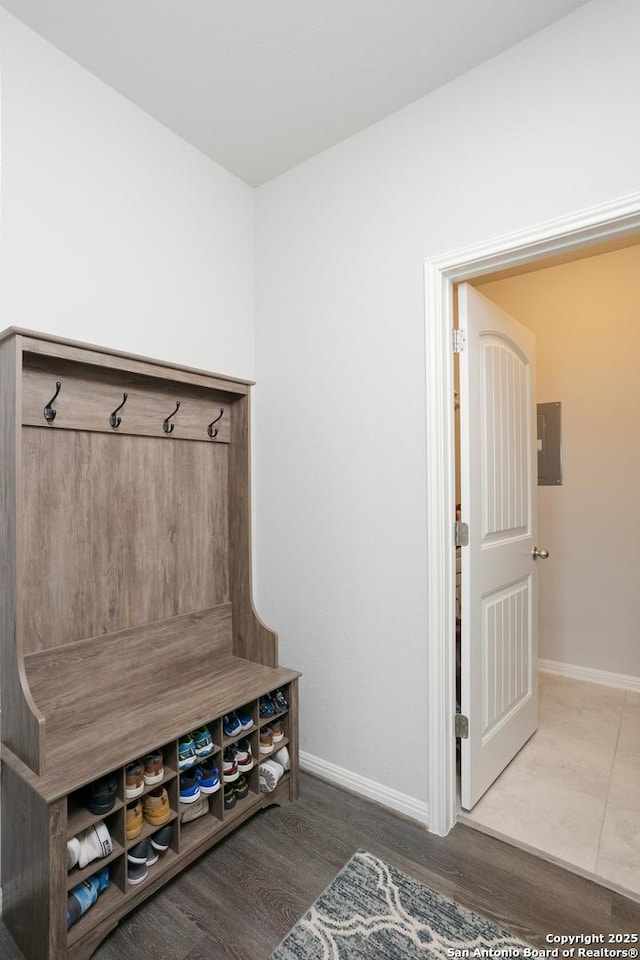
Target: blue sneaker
column 189, row 787
column 280, row 701
column 208, row 777
column 266, row 707
column 202, row 742
column 186, row 752
column 232, row 726
column 246, row 720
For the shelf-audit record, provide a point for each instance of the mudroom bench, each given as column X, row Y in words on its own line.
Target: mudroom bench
column 126, row 623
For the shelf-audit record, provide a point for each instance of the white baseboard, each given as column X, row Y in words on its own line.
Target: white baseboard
column 386, row 796
column 622, row 680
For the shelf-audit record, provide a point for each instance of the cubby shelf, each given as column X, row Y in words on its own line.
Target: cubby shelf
column 126, row 616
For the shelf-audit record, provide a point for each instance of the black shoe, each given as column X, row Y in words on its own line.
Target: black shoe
column 160, row 841
column 100, row 796
column 229, row 797
column 137, row 872
column 139, row 853
column 241, row 788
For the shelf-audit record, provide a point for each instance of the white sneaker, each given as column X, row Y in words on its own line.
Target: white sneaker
column 282, row 757
column 194, row 810
column 94, row 842
column 270, row 774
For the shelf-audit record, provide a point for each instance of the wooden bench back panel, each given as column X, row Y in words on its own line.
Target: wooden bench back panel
column 77, row 683
column 120, row 531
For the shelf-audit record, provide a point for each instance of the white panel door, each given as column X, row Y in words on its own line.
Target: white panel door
column 499, row 691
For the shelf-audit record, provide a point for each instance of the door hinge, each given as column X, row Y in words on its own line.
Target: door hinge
column 462, row 726
column 461, row 534
column 459, row 340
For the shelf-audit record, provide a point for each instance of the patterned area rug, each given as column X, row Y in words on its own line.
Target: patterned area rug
column 372, row 911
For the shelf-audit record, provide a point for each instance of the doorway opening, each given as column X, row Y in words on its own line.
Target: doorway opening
column 570, row 239
column 579, row 765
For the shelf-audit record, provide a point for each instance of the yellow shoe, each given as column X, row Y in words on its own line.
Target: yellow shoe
column 155, row 806
column 134, row 820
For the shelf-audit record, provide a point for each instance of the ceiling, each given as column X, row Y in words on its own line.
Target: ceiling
column 261, row 85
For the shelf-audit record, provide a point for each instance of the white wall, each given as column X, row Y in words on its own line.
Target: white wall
column 116, row 232
column 113, row 230
column 541, row 131
column 585, row 316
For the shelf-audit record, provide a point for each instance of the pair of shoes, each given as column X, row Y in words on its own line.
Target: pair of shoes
column 92, row 843
column 237, row 722
column 267, row 708
column 273, row 703
column 145, row 772
column 270, row 773
column 236, row 760
column 204, row 778
column 235, row 791
column 242, row 755
column 100, row 796
column 194, row 746
column 146, row 853
column 192, row 811
column 271, row 734
column 155, row 809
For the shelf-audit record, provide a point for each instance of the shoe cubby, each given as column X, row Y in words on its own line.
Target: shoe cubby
column 126, row 622
column 114, row 825
column 110, row 900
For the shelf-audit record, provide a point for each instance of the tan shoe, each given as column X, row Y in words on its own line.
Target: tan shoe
column 134, row 820
column 155, row 806
column 134, row 780
column 153, row 767
column 192, row 811
column 277, row 731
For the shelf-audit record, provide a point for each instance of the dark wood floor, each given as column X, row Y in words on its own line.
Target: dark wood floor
column 239, row 900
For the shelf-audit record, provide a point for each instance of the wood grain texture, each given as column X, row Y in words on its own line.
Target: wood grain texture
column 88, row 396
column 145, row 686
column 39, row 343
column 21, row 722
column 33, row 861
column 251, row 637
column 293, row 745
column 239, row 900
column 127, row 611
column 120, row 530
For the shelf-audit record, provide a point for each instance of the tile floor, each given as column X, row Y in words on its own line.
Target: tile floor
column 573, row 792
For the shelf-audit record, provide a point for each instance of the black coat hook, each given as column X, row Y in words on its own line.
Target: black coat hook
column 115, row 420
column 166, row 426
column 214, row 433
column 49, row 412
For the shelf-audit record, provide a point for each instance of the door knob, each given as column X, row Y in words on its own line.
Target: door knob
column 539, row 553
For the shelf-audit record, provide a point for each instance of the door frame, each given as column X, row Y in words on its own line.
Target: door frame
column 572, row 233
